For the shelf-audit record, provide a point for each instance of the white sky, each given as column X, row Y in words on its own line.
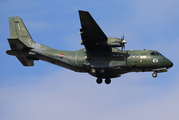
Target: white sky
column 46, row 91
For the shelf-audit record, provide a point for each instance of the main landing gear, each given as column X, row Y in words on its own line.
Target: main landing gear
column 99, row 80
column 107, row 80
column 154, row 74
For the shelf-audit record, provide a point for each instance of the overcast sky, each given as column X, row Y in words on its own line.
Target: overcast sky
column 49, row 92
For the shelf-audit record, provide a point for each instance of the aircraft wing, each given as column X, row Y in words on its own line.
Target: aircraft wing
column 93, row 38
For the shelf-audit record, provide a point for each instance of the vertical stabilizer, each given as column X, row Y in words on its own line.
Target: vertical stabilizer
column 19, row 31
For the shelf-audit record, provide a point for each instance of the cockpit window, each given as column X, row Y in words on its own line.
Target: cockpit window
column 153, row 53
column 156, row 54
column 160, row 54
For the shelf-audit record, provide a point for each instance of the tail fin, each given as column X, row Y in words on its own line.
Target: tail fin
column 19, row 31
column 20, row 41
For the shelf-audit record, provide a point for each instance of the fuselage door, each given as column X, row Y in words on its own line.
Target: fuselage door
column 143, row 58
column 80, row 57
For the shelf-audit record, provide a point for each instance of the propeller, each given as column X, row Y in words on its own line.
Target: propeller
column 123, row 42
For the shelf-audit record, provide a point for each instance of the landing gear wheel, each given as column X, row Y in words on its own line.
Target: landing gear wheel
column 108, row 81
column 99, row 80
column 154, row 75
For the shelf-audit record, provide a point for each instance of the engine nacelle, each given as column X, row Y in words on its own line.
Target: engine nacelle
column 116, row 42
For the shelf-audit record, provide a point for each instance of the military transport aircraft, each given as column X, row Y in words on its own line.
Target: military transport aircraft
column 100, row 58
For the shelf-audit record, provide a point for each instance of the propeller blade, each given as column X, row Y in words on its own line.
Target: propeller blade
column 123, row 42
column 123, row 46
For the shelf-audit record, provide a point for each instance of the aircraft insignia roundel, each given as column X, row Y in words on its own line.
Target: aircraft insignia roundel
column 61, row 55
column 155, row 60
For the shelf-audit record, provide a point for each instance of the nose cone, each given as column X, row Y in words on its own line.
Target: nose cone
column 171, row 64
column 168, row 63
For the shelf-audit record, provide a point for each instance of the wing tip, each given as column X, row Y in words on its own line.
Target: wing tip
column 82, row 11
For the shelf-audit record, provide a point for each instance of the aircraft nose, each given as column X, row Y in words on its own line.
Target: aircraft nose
column 171, row 64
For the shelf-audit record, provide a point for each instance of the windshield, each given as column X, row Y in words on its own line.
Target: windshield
column 156, row 54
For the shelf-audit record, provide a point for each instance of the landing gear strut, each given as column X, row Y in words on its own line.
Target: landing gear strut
column 154, row 74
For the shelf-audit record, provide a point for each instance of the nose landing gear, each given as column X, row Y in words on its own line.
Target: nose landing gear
column 154, row 74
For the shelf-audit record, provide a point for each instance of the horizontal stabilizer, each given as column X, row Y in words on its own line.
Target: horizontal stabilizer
column 17, row 49
column 16, row 44
column 25, row 61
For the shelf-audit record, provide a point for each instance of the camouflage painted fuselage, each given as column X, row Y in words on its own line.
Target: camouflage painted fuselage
column 111, row 64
